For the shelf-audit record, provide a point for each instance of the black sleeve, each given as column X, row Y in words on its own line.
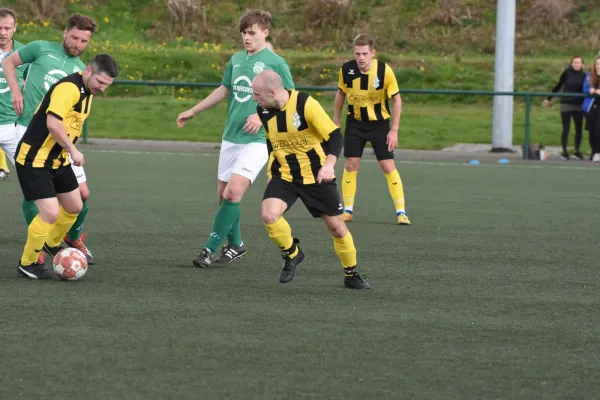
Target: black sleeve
column 561, row 82
column 335, row 143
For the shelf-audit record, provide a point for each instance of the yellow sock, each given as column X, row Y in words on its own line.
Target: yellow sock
column 37, row 232
column 344, row 248
column 396, row 190
column 281, row 233
column 3, row 162
column 349, row 190
column 60, row 227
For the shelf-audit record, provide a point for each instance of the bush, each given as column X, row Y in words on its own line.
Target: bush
column 42, row 10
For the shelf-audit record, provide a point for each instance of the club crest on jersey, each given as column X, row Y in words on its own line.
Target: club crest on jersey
column 296, row 120
column 259, row 67
column 376, row 82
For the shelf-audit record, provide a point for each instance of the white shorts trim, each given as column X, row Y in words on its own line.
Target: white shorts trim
column 246, row 160
column 79, row 173
column 9, row 140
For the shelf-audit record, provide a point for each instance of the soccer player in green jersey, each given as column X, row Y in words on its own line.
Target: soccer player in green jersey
column 8, row 139
column 243, row 150
column 48, row 63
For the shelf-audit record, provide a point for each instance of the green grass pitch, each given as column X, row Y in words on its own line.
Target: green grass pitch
column 493, row 292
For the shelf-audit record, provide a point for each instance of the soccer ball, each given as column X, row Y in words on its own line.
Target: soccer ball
column 70, row 264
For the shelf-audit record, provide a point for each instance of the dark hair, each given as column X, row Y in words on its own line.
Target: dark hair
column 104, row 63
column 7, row 12
column 364, row 39
column 255, row 17
column 594, row 75
column 82, row 22
column 575, row 58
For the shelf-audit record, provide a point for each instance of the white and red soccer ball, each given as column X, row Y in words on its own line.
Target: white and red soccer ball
column 70, row 264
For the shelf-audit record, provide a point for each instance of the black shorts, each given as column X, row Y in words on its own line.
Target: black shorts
column 319, row 198
column 358, row 133
column 45, row 183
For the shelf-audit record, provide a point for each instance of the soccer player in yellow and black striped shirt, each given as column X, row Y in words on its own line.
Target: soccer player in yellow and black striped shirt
column 303, row 144
column 369, row 84
column 42, row 160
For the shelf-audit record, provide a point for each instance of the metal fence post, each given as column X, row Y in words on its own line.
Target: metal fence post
column 527, row 126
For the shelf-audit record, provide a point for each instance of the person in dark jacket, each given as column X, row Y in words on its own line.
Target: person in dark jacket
column 571, row 81
column 592, row 108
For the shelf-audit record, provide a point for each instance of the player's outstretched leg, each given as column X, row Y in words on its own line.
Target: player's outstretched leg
column 76, row 237
column 29, row 266
column 396, row 189
column 397, row 193
column 235, row 248
column 226, row 215
column 63, row 223
column 281, row 233
column 343, row 244
column 349, row 193
column 30, row 211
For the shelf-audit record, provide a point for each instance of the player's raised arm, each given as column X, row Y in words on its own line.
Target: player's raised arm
column 216, row 96
column 9, row 67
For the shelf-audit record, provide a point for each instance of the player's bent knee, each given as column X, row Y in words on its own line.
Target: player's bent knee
column 233, row 196
column 387, row 166
column 74, row 208
column 352, row 164
column 49, row 215
column 73, row 211
column 269, row 216
column 339, row 231
column 236, row 187
column 336, row 226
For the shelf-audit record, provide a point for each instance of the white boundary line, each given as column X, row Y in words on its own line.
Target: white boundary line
column 409, row 162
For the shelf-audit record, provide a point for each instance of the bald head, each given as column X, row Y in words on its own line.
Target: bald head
column 269, row 80
column 267, row 86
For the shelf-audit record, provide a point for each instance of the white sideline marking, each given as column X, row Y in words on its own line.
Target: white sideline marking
column 415, row 162
column 153, row 153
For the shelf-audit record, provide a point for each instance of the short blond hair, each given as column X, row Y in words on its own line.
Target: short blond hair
column 364, row 39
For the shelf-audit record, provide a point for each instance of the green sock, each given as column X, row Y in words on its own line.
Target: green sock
column 77, row 228
column 234, row 237
column 30, row 211
column 226, row 215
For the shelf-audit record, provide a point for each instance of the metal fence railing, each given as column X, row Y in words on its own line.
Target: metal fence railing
column 527, row 95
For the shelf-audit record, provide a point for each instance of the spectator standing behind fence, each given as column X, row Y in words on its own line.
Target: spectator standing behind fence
column 591, row 108
column 570, row 81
